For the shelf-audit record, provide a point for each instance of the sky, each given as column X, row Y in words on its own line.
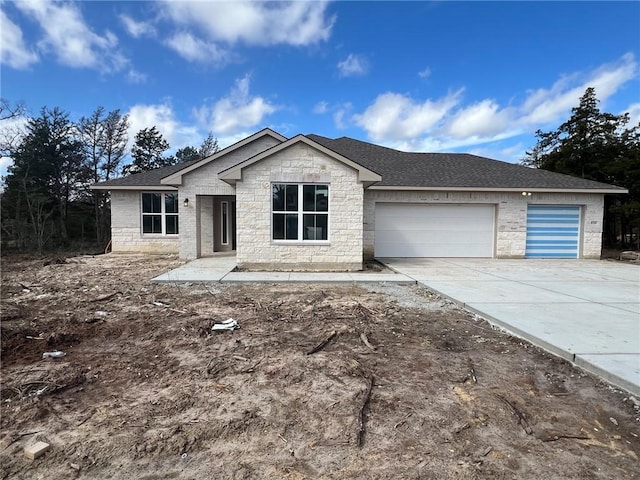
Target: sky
column 449, row 76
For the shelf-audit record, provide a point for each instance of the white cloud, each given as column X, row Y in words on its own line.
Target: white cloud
column 482, row 119
column 512, row 153
column 321, row 107
column 5, row 163
column 237, row 111
column 398, row 121
column 71, row 39
column 163, row 118
column 252, row 23
column 196, row 49
column 544, row 106
column 634, row 114
column 353, row 65
column 133, row 76
column 339, row 115
column 424, row 73
column 13, row 51
column 137, row 29
column 394, row 117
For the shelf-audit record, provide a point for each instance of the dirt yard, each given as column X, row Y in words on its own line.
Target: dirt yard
column 147, row 390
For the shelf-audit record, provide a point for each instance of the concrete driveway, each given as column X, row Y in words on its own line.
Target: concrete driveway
column 586, row 311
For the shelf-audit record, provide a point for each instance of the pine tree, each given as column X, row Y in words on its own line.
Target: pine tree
column 147, row 152
column 597, row 146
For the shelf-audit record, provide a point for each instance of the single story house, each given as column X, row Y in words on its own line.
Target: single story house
column 315, row 203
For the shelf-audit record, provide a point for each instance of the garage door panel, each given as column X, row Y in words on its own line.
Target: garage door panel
column 461, row 227
column 553, row 231
column 419, row 230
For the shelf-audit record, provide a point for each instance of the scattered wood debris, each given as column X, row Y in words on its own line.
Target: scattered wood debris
column 365, row 340
column 361, row 415
column 522, row 421
column 36, row 450
column 323, row 343
column 557, row 436
column 104, row 298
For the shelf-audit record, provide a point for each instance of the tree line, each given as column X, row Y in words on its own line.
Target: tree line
column 46, row 202
column 598, row 146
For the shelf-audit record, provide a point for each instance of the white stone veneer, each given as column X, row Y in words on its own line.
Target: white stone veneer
column 195, row 220
column 299, row 164
column 126, row 231
column 511, row 215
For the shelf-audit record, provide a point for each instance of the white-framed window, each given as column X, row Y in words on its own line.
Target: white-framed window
column 300, row 212
column 160, row 213
column 224, row 218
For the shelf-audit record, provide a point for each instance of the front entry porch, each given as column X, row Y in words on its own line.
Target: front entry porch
column 215, row 224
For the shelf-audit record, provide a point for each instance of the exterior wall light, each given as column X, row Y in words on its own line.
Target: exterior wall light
column 526, row 194
column 186, row 202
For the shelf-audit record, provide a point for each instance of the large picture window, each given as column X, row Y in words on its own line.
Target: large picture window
column 160, row 213
column 300, row 212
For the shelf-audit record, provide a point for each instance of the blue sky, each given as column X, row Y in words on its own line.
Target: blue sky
column 478, row 77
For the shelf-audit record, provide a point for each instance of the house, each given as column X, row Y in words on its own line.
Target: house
column 315, row 203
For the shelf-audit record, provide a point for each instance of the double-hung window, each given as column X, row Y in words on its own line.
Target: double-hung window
column 300, row 212
column 160, row 213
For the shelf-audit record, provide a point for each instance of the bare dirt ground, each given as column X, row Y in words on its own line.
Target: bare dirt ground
column 147, row 390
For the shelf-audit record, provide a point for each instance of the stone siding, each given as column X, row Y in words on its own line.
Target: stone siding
column 511, row 215
column 126, row 231
column 204, row 181
column 299, row 164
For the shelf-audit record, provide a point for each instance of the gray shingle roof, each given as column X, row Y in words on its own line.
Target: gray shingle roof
column 409, row 169
column 150, row 178
column 455, row 170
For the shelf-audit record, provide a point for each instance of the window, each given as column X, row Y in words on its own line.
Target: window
column 224, row 217
column 300, row 212
column 160, row 213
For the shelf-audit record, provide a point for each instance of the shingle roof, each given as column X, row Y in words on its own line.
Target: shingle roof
column 150, row 178
column 453, row 170
column 409, row 169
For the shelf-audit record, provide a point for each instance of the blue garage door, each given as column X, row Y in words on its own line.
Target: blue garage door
column 553, row 231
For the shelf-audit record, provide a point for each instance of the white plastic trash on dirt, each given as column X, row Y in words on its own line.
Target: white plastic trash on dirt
column 56, row 354
column 229, row 324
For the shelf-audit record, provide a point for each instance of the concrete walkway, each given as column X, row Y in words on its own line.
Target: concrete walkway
column 219, row 268
column 586, row 311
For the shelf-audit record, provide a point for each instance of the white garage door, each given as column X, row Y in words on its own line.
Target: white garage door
column 414, row 230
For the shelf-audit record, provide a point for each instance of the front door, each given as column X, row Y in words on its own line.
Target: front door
column 224, row 225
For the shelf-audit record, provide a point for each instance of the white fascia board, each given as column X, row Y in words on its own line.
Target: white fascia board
column 163, row 188
column 506, row 189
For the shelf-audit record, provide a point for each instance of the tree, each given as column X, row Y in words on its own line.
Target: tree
column 116, row 139
column 209, row 146
column 187, row 154
column 104, row 140
column 45, row 176
column 9, row 111
column 597, row 146
column 12, row 129
column 147, row 152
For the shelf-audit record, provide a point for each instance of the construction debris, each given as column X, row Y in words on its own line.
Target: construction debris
column 229, row 324
column 361, row 415
column 323, row 343
column 56, row 354
column 146, row 383
column 36, row 450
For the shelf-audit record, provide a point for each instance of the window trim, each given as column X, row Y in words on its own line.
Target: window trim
column 163, row 215
column 300, row 212
column 224, row 219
